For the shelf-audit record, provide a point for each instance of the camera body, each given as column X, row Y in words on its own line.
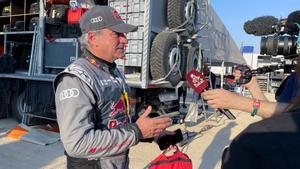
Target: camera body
column 278, row 37
column 282, row 42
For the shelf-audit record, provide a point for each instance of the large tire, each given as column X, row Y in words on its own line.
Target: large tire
column 163, row 57
column 18, row 105
column 178, row 11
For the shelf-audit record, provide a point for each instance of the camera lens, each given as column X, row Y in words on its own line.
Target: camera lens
column 278, row 45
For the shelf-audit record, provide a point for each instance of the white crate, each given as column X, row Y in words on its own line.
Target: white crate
column 139, row 34
column 136, row 19
column 136, row 6
column 134, row 60
column 135, row 46
column 119, row 6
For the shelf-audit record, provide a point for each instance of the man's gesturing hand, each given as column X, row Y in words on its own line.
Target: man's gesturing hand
column 151, row 127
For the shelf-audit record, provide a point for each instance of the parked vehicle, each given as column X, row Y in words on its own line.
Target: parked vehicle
column 39, row 40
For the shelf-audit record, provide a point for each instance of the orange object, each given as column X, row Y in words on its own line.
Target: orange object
column 16, row 133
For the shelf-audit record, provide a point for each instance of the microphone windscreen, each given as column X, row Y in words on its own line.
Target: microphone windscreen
column 261, row 26
column 196, row 80
column 293, row 18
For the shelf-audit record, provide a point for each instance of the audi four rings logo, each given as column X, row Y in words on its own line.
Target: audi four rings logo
column 96, row 19
column 68, row 93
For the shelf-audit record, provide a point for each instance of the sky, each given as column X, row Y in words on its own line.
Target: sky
column 234, row 13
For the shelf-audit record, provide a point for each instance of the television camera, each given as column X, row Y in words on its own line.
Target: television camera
column 278, row 37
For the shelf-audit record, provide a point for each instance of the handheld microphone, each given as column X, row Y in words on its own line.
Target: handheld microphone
column 261, row 26
column 198, row 82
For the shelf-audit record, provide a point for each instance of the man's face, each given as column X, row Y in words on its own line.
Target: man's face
column 109, row 44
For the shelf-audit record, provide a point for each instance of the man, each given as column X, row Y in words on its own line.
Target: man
column 92, row 101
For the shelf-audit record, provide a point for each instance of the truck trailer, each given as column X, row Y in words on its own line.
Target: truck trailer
column 39, row 38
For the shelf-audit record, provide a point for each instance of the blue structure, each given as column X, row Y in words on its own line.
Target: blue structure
column 247, row 49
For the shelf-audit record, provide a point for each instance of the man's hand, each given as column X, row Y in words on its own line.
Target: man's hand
column 220, row 98
column 151, row 127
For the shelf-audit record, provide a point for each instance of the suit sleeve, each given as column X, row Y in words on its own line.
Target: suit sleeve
column 74, row 105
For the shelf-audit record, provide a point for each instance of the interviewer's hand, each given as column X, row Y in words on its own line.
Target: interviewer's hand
column 152, row 127
column 220, row 98
column 237, row 75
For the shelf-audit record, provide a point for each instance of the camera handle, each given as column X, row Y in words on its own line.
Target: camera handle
column 247, row 73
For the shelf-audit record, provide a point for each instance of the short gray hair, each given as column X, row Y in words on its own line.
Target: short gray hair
column 83, row 39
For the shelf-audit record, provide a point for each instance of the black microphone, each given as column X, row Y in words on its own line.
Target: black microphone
column 293, row 18
column 261, row 26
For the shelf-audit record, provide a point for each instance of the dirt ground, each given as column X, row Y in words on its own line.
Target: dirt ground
column 205, row 150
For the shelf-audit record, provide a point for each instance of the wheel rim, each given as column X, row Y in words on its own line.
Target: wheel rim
column 173, row 57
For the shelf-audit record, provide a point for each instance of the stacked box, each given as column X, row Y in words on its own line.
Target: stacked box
column 136, row 19
column 139, row 34
column 134, row 60
column 132, row 12
column 136, row 6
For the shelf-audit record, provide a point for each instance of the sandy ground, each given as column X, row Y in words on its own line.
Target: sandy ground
column 205, row 150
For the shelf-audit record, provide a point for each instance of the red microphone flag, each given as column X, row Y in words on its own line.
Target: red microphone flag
column 196, row 80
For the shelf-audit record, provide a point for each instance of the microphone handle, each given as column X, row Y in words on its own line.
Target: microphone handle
column 227, row 113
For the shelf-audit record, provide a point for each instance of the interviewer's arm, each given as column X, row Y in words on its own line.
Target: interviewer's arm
column 255, row 90
column 220, row 98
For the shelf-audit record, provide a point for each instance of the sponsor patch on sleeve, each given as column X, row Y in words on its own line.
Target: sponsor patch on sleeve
column 68, row 93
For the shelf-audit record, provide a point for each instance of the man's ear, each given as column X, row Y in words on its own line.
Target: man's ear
column 90, row 36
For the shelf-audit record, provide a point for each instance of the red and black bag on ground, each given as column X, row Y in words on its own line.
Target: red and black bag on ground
column 178, row 160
